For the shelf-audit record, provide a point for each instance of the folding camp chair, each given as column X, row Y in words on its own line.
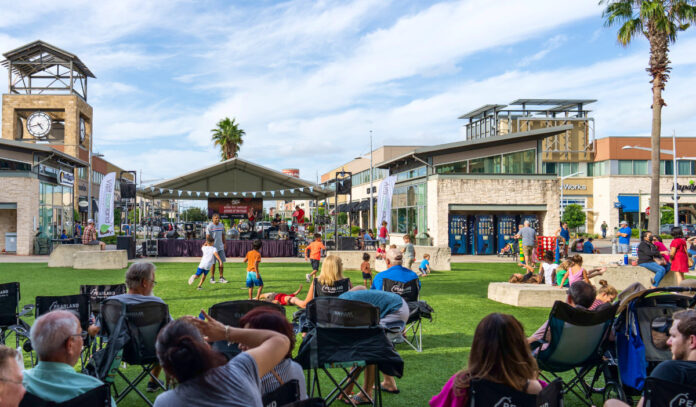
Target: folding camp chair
column 287, row 393
column 313, row 402
column 229, row 313
column 418, row 310
column 485, row 393
column 97, row 294
column 340, row 287
column 77, row 304
column 10, row 315
column 578, row 343
column 143, row 322
column 345, row 334
column 661, row 393
column 97, row 397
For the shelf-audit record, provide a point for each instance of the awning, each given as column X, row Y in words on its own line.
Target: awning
column 342, row 208
column 629, row 203
column 364, row 205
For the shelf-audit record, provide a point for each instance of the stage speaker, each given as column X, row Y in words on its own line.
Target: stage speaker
column 346, row 243
column 126, row 243
column 127, row 190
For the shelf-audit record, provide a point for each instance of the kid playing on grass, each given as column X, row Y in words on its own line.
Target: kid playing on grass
column 424, row 268
column 314, row 256
column 366, row 270
column 381, row 252
column 253, row 277
column 280, row 298
column 210, row 254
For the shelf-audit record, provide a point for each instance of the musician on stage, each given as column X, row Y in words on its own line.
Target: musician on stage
column 298, row 215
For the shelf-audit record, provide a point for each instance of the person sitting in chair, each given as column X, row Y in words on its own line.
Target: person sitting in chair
column 395, row 271
column 57, row 339
column 682, row 342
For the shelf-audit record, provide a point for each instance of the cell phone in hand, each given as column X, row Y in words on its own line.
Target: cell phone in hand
column 201, row 316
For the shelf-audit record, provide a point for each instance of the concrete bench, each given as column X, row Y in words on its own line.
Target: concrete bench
column 62, row 254
column 439, row 258
column 101, row 259
column 622, row 276
column 597, row 260
column 526, row 295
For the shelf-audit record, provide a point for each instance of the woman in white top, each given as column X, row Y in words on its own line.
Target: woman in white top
column 548, row 268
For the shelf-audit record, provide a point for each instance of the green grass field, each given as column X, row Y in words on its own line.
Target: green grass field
column 458, row 297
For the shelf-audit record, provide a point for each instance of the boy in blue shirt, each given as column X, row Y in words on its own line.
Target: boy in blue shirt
column 424, row 268
column 624, row 238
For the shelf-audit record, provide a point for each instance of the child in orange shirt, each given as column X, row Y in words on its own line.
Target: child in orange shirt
column 253, row 277
column 314, row 255
column 366, row 270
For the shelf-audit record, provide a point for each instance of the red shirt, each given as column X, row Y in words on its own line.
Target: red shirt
column 383, row 232
column 299, row 214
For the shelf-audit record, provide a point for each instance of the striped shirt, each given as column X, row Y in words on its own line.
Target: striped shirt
column 217, row 231
column 287, row 370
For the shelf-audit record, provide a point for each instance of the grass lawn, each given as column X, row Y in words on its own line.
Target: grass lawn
column 458, row 297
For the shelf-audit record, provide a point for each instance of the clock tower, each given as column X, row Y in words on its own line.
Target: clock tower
column 46, row 102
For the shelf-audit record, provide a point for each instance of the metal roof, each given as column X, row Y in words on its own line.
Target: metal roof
column 480, row 110
column 552, row 102
column 35, row 50
column 236, row 175
column 44, row 149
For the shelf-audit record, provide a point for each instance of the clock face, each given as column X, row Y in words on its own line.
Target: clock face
column 39, row 124
column 83, row 130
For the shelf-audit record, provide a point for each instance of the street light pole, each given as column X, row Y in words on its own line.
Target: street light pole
column 675, row 169
column 371, row 222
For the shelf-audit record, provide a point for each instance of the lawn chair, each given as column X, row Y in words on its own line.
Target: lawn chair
column 345, row 334
column 287, row 393
column 142, row 322
column 77, row 304
column 661, row 393
column 97, row 397
column 485, row 393
column 10, row 316
column 340, row 287
column 418, row 310
column 97, row 294
column 229, row 313
column 313, row 402
column 578, row 342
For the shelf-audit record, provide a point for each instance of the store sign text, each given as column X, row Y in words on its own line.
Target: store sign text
column 684, row 188
column 66, row 178
column 574, row 187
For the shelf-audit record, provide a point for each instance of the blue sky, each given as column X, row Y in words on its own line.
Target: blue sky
column 308, row 80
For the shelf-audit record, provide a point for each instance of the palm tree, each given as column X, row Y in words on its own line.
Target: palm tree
column 228, row 136
column 659, row 21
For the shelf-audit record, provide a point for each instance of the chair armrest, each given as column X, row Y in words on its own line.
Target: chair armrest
column 537, row 344
column 27, row 309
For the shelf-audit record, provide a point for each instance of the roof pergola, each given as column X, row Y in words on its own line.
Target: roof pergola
column 235, row 178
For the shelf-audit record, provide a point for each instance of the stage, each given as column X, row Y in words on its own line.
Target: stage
column 233, row 248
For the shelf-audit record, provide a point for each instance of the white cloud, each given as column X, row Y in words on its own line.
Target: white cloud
column 550, row 45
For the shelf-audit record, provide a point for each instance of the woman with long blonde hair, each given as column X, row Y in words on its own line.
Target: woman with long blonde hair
column 331, row 273
column 499, row 353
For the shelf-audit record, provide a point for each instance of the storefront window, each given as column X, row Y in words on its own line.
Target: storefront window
column 633, row 167
column 597, row 169
column 685, row 167
column 452, row 168
column 567, row 169
column 666, row 167
column 55, row 210
column 549, row 168
column 521, row 162
column 409, row 209
column 414, row 173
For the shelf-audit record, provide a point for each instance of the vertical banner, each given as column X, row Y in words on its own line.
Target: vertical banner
column 105, row 220
column 384, row 201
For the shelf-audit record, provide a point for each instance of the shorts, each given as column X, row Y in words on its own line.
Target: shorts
column 252, row 281
column 408, row 262
column 93, row 242
column 367, row 276
column 400, row 315
column 382, row 240
column 423, row 271
column 200, row 271
column 624, row 248
column 221, row 253
column 314, row 263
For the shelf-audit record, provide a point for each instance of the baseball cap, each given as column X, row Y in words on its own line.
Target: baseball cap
column 623, row 222
column 394, row 255
column 90, row 221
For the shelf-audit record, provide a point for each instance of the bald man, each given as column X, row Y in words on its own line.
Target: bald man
column 395, row 270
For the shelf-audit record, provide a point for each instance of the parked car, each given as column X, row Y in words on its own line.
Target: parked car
column 688, row 229
column 666, row 229
column 262, row 226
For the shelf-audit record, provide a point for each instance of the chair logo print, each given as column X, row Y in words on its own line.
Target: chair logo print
column 4, row 293
column 505, row 402
column 343, row 314
column 94, row 292
column 56, row 306
column 682, row 400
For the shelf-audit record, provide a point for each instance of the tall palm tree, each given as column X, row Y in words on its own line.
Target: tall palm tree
column 228, row 136
column 659, row 21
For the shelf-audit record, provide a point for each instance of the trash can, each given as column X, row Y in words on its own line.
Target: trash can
column 11, row 242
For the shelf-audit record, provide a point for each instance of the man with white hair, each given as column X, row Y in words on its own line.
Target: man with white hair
column 624, row 235
column 11, row 388
column 395, row 271
column 57, row 339
column 89, row 236
column 528, row 236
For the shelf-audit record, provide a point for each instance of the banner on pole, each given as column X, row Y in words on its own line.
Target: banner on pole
column 384, row 201
column 105, row 218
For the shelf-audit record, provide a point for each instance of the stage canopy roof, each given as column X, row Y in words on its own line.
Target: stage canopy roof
column 235, row 178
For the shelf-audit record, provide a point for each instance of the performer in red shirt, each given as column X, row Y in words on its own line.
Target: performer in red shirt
column 298, row 214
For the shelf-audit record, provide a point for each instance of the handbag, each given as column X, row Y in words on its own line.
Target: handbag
column 660, row 260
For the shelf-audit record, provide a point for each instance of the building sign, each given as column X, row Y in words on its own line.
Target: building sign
column 235, row 208
column 574, row 187
column 686, row 188
column 105, row 217
column 66, row 178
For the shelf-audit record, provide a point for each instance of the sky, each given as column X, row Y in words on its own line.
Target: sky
column 309, row 80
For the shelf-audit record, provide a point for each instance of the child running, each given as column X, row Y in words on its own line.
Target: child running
column 253, row 277
column 366, row 270
column 209, row 255
column 424, row 267
column 280, row 298
column 314, row 256
column 383, row 234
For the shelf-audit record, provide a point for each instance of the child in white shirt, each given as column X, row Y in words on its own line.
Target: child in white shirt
column 209, row 256
column 548, row 268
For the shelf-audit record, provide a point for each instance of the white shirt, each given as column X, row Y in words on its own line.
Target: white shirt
column 548, row 272
column 208, row 258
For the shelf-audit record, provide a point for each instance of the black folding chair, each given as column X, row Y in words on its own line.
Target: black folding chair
column 578, row 343
column 229, row 313
column 418, row 310
column 10, row 316
column 97, row 294
column 97, row 397
column 345, row 334
column 143, row 322
column 77, row 304
column 340, row 287
column 287, row 393
column 485, row 393
column 661, row 393
column 313, row 402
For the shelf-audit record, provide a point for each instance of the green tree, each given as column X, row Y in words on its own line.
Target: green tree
column 659, row 21
column 574, row 216
column 193, row 214
column 667, row 214
column 229, row 137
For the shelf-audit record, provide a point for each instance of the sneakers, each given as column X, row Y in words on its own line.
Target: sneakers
column 223, row 281
column 192, row 279
column 199, row 288
column 212, row 280
column 152, row 387
column 307, row 278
